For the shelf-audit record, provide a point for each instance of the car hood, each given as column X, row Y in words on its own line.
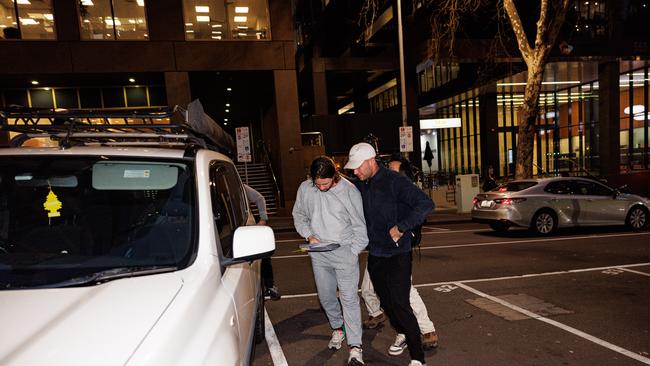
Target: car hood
column 95, row 325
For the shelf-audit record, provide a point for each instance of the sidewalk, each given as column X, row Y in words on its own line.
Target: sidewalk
column 441, row 215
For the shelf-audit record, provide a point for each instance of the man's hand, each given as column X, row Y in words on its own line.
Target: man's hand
column 262, row 222
column 395, row 234
column 313, row 240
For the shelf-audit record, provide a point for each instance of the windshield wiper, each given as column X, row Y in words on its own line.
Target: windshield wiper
column 109, row 275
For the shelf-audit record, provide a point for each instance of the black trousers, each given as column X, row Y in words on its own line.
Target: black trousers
column 267, row 273
column 391, row 277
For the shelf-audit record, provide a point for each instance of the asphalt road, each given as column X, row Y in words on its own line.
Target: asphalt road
column 580, row 297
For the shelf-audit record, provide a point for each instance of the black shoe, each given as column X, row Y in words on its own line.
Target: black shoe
column 273, row 293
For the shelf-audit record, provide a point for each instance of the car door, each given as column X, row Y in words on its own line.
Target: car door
column 229, row 206
column 600, row 204
column 562, row 201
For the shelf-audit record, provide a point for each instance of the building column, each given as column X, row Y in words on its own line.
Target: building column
column 282, row 135
column 321, row 103
column 489, row 129
column 177, row 86
column 609, row 119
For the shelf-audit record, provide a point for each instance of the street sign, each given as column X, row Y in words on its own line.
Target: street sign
column 406, row 139
column 243, row 145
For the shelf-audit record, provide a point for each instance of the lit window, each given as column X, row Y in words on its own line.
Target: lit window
column 112, row 20
column 34, row 20
column 233, row 19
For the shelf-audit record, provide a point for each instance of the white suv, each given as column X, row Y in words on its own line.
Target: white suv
column 124, row 250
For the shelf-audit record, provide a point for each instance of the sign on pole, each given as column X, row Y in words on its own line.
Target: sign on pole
column 243, row 145
column 406, row 139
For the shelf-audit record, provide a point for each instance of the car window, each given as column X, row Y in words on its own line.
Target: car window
column 559, row 187
column 60, row 220
column 514, row 186
column 229, row 205
column 591, row 189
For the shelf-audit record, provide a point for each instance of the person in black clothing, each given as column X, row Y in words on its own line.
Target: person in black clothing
column 393, row 206
column 490, row 183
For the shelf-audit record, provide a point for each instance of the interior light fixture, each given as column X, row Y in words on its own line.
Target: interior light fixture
column 216, row 32
column 216, row 37
column 636, row 109
column 48, row 16
column 228, row 89
column 203, row 18
column 225, row 119
column 189, row 31
column 241, row 34
column 28, row 21
column 217, row 25
column 140, row 2
column 227, row 110
column 543, row 83
column 227, row 104
column 242, row 27
column 202, row 9
column 87, row 3
column 241, row 9
column 46, row 89
column 240, row 18
column 131, row 80
column 225, row 123
column 35, row 82
column 189, row 24
column 24, row 2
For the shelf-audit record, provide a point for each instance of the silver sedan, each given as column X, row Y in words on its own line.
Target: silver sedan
column 546, row 204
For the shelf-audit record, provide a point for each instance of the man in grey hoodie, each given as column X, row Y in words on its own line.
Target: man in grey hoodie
column 328, row 209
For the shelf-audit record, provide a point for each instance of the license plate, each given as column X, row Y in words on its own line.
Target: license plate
column 486, row 203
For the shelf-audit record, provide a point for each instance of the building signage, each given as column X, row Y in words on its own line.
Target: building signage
column 243, row 145
column 406, row 139
column 426, row 124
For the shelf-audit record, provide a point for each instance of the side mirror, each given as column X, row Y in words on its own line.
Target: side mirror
column 252, row 242
column 624, row 189
column 615, row 193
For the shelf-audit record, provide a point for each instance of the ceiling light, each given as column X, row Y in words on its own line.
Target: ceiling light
column 228, row 89
column 240, row 18
column 87, row 3
column 23, row 2
column 131, row 80
column 202, row 9
column 216, row 37
column 217, row 25
column 189, row 31
column 114, row 21
column 28, row 21
column 227, row 110
column 48, row 16
column 202, row 18
column 638, row 108
column 242, row 27
column 227, row 104
column 241, row 34
column 225, row 119
column 189, row 24
column 140, row 2
column 241, row 9
column 46, row 88
column 216, row 32
column 35, row 82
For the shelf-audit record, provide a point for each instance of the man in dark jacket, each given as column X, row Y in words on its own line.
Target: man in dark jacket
column 393, row 206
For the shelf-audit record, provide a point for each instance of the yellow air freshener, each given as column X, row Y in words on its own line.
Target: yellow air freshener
column 52, row 204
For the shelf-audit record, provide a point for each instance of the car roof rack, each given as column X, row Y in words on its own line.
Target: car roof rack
column 132, row 127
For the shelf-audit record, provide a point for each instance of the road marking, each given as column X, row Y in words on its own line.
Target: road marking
column 515, row 277
column 557, row 324
column 435, row 228
column 544, row 240
column 637, row 272
column 272, row 341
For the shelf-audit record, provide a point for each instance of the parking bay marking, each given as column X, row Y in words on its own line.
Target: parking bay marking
column 543, row 240
column 557, row 324
column 273, row 343
column 633, row 271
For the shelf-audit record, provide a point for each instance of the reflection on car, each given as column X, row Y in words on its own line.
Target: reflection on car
column 543, row 205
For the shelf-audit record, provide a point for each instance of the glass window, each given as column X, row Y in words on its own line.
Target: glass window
column 36, row 19
column 559, row 187
column 514, row 186
column 221, row 19
column 229, row 204
column 111, row 20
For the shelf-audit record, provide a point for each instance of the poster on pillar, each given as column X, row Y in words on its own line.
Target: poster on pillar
column 243, row 145
column 406, row 139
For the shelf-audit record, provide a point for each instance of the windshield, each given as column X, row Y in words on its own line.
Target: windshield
column 63, row 218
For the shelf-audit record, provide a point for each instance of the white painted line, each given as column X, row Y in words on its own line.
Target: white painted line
column 531, row 275
column 487, row 244
column 557, row 324
column 637, row 272
column 435, row 228
column 272, row 341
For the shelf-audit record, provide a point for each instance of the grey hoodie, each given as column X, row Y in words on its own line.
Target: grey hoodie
column 332, row 216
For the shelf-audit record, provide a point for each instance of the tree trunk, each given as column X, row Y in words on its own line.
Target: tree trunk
column 526, row 133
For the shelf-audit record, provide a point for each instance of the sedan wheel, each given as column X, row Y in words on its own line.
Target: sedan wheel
column 637, row 218
column 544, row 222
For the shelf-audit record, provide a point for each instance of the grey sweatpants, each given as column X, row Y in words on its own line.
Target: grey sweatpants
column 339, row 269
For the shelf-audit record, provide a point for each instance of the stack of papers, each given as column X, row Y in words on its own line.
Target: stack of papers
column 319, row 247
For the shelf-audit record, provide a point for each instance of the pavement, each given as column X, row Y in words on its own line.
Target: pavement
column 441, row 215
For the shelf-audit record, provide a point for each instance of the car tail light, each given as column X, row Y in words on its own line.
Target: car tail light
column 503, row 189
column 475, row 201
column 509, row 201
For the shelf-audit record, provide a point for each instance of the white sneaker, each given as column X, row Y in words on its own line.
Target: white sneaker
column 398, row 347
column 356, row 357
column 416, row 363
column 337, row 339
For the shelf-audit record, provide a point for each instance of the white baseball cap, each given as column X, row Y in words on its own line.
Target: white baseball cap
column 358, row 154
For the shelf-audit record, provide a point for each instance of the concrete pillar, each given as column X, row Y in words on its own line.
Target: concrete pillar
column 609, row 119
column 488, row 117
column 66, row 20
column 283, row 135
column 177, row 86
column 321, row 103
